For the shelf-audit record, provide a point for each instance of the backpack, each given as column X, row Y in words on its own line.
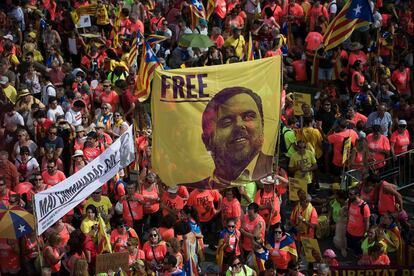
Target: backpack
column 283, row 147
column 361, row 207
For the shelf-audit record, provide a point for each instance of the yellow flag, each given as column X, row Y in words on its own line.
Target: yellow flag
column 104, row 244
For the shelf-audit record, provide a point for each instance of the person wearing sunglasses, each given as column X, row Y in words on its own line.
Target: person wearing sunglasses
column 119, row 126
column 282, row 248
column 155, row 250
column 120, row 235
column 26, row 165
column 237, row 268
column 52, row 140
column 229, row 244
column 52, row 175
column 109, row 96
column 400, row 139
column 103, row 205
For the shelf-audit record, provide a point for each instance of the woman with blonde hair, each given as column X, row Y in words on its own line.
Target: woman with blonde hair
column 80, row 268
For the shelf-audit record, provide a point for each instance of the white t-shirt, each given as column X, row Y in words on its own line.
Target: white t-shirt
column 48, row 91
column 52, row 113
column 73, row 118
column 333, row 7
column 13, row 120
column 31, row 165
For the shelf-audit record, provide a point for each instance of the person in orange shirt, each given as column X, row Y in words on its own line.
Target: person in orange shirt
column 156, row 21
column 52, row 176
column 358, row 221
column 268, row 201
column 204, row 202
column 337, row 139
column 155, row 250
column 5, row 192
column 132, row 211
column 120, row 236
column 253, row 226
column 282, row 248
column 92, row 148
column 295, row 16
column 315, row 13
column 400, row 139
column 230, row 208
column 276, row 10
column 401, row 78
column 109, row 95
column 171, row 203
column 134, row 252
column 52, row 254
column 234, row 20
column 354, row 117
column 149, row 191
column 379, row 146
column 356, row 54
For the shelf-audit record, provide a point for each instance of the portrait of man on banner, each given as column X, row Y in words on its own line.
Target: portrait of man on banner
column 233, row 133
column 216, row 126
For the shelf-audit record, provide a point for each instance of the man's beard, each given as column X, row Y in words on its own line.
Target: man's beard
column 233, row 155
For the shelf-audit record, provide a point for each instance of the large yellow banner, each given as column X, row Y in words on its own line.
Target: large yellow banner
column 216, row 126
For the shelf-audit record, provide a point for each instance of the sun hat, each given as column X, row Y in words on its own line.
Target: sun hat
column 173, row 189
column 78, row 153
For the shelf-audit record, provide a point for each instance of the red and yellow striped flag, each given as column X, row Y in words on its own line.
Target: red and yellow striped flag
column 355, row 14
column 149, row 62
column 104, row 244
column 133, row 52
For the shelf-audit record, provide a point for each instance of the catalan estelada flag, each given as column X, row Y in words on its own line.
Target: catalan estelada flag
column 197, row 12
column 250, row 53
column 133, row 52
column 154, row 39
column 104, row 244
column 149, row 62
column 355, row 14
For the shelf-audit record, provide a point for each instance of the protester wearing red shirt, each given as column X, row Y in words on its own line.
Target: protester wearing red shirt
column 230, row 208
column 400, row 139
column 109, row 96
column 52, row 175
column 132, row 208
column 401, row 79
column 155, row 250
column 379, row 145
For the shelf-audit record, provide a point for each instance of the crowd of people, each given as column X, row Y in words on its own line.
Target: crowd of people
column 66, row 93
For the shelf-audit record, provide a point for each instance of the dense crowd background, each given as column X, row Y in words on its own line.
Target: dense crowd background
column 67, row 93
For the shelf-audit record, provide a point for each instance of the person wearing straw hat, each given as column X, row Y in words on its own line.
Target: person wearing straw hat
column 78, row 162
column 268, row 201
column 356, row 54
column 25, row 100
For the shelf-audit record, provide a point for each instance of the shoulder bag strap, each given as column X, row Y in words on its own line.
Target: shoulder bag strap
column 130, row 211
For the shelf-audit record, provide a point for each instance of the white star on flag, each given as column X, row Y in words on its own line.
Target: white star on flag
column 357, row 10
column 197, row 4
column 22, row 228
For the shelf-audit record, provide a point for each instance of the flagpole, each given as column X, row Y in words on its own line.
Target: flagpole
column 278, row 142
column 37, row 233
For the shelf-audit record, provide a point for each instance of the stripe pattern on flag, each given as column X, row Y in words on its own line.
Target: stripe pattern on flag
column 149, row 62
column 355, row 14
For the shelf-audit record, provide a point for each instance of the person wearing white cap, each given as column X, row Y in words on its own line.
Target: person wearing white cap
column 171, row 202
column 78, row 162
column 8, row 89
column 400, row 139
column 268, row 201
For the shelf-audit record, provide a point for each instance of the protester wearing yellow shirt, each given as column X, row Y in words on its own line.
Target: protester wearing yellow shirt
column 102, row 17
column 312, row 135
column 89, row 225
column 102, row 203
column 8, row 89
column 237, row 42
column 303, row 162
